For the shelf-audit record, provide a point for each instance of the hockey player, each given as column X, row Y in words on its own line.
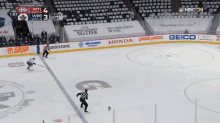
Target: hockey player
column 46, row 50
column 30, row 63
column 83, row 97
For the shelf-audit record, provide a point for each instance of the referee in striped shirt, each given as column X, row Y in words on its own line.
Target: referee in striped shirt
column 83, row 98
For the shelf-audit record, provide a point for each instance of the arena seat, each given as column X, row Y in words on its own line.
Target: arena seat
column 9, row 4
column 92, row 11
column 210, row 6
column 147, row 7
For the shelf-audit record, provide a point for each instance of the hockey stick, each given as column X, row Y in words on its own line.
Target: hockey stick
column 42, row 66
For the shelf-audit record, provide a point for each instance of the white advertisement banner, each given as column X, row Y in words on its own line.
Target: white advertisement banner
column 36, row 27
column 61, row 46
column 6, row 28
column 81, row 31
column 120, row 41
column 211, row 38
column 181, row 37
column 179, row 25
column 107, row 43
column 122, row 28
column 90, row 44
column 110, row 42
column 153, row 38
column 103, row 31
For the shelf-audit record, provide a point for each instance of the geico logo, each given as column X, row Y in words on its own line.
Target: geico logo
column 182, row 37
column 120, row 41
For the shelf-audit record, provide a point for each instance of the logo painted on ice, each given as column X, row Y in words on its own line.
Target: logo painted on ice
column 16, row 64
column 3, row 65
column 92, row 85
column 15, row 100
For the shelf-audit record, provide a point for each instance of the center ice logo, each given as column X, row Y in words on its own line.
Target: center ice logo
column 92, row 85
column 5, row 97
column 13, row 101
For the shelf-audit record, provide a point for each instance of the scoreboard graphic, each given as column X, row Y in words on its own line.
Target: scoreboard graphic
column 30, row 12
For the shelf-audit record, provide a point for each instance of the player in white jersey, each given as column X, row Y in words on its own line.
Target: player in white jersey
column 30, row 62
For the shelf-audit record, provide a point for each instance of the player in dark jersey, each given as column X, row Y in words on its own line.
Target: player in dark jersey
column 46, row 50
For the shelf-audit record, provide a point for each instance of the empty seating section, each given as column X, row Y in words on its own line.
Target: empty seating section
column 146, row 7
column 189, row 4
column 9, row 4
column 92, row 11
column 179, row 15
column 210, row 6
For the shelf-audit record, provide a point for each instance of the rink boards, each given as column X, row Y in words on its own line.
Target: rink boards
column 110, row 43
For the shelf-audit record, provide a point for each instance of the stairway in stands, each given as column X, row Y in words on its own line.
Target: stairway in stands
column 21, row 26
column 215, row 23
column 175, row 5
column 137, row 16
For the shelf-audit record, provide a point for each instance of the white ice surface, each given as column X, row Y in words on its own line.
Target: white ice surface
column 169, row 76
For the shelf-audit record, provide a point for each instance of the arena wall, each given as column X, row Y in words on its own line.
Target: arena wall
column 111, row 43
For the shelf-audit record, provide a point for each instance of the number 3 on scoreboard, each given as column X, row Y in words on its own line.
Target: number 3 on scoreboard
column 45, row 17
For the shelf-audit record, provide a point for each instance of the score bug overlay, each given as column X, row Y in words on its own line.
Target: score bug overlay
column 30, row 12
column 40, row 17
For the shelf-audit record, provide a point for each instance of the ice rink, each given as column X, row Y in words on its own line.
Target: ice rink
column 143, row 84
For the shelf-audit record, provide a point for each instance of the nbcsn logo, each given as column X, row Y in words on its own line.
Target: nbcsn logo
column 190, row 9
